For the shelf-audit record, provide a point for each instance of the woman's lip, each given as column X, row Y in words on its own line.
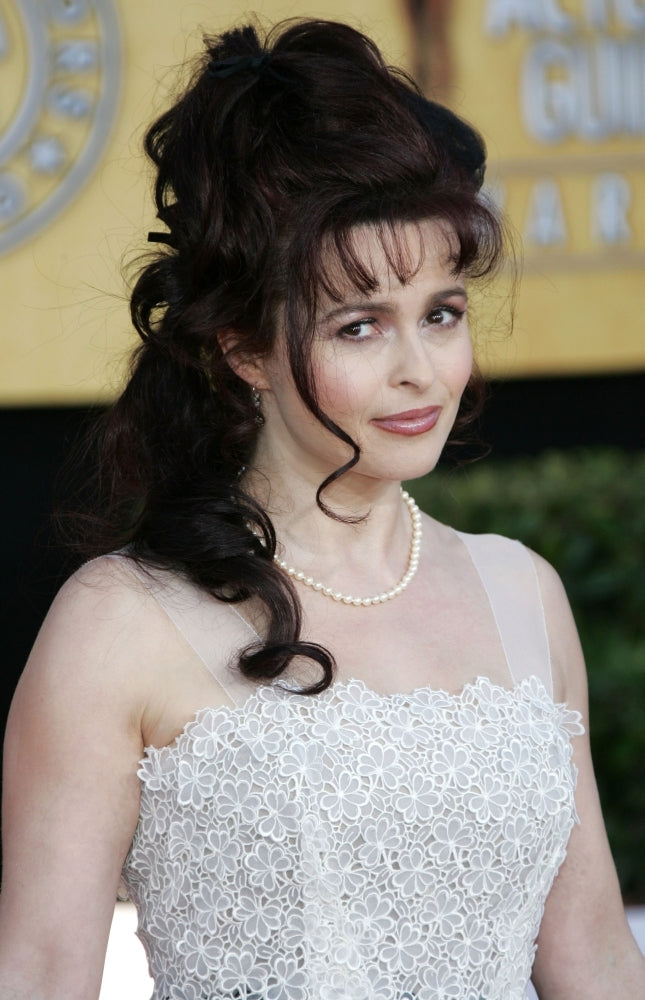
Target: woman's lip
column 409, row 422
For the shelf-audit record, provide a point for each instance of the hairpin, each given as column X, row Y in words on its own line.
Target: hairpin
column 167, row 238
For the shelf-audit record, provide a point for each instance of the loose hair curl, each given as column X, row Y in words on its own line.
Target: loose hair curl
column 276, row 151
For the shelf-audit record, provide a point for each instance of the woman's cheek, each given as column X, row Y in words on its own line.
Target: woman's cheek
column 347, row 390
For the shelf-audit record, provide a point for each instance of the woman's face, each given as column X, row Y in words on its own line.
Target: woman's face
column 389, row 366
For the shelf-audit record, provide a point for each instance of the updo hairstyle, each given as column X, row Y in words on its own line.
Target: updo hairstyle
column 272, row 156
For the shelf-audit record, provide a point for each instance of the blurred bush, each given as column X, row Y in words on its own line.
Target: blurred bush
column 584, row 511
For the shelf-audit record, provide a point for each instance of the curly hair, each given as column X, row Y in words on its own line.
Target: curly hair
column 275, row 152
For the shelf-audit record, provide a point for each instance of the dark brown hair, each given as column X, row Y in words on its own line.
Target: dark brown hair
column 276, row 151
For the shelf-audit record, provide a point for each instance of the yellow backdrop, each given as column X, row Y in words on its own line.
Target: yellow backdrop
column 551, row 85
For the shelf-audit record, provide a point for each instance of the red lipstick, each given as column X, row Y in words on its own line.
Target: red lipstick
column 409, row 422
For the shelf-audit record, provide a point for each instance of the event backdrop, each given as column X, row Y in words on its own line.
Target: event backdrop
column 557, row 87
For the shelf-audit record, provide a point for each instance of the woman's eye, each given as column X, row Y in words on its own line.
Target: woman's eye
column 445, row 316
column 357, row 331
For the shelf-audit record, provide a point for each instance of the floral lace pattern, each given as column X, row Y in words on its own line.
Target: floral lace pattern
column 354, row 846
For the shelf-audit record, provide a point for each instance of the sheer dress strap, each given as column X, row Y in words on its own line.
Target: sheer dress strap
column 215, row 631
column 507, row 571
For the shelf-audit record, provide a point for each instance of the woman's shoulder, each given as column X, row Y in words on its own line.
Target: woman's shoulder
column 494, row 553
column 117, row 575
column 504, row 565
column 520, row 563
column 117, row 588
column 502, row 553
column 108, row 574
column 567, row 658
column 509, row 569
column 104, row 630
column 150, row 634
column 101, row 600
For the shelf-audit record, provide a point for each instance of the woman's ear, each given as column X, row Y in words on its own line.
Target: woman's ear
column 249, row 367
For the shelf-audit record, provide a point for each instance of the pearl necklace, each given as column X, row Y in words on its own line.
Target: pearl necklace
column 366, row 602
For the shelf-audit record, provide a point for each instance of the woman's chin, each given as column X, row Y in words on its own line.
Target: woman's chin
column 400, row 471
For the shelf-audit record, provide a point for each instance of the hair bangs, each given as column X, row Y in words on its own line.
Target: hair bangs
column 330, row 257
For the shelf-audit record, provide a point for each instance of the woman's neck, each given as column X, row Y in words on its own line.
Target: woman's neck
column 364, row 549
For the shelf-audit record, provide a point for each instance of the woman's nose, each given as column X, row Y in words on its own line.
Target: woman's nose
column 413, row 362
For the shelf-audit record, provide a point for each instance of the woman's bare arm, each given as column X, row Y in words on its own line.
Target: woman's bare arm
column 585, row 948
column 70, row 800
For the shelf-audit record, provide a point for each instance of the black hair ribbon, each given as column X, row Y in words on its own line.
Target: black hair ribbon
column 262, row 65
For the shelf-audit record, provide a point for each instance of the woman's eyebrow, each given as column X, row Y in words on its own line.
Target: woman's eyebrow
column 373, row 305
column 368, row 305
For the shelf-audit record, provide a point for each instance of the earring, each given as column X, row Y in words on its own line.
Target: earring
column 257, row 403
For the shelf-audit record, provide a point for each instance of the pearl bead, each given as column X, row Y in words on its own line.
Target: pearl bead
column 366, row 602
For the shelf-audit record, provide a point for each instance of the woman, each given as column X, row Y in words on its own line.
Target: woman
column 324, row 735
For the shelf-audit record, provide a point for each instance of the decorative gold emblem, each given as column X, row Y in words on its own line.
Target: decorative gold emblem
column 60, row 68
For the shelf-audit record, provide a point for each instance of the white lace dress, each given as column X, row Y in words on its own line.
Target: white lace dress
column 356, row 846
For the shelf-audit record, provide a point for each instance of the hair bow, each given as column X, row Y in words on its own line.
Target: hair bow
column 262, row 65
column 221, row 68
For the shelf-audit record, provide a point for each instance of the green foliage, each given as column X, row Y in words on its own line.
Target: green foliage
column 585, row 512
